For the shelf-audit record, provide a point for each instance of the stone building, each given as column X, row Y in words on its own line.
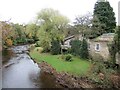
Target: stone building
column 98, row 47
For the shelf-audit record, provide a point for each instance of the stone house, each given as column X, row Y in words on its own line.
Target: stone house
column 98, row 47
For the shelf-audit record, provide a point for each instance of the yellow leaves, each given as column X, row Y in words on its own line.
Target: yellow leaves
column 29, row 35
column 9, row 42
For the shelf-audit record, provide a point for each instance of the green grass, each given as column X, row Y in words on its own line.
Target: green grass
column 76, row 67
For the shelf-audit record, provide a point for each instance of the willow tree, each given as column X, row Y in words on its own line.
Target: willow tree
column 52, row 26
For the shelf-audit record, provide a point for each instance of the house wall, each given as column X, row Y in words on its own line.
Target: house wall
column 103, row 51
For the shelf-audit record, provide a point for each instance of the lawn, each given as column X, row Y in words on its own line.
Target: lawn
column 76, row 67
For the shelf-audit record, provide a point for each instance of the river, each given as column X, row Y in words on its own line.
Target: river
column 20, row 71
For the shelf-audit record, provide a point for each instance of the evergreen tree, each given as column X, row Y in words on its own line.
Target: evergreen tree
column 75, row 47
column 84, row 49
column 104, row 12
column 97, row 28
column 55, row 48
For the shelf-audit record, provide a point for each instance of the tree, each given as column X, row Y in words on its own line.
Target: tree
column 7, row 33
column 84, row 49
column 75, row 47
column 97, row 28
column 19, row 36
column 114, row 47
column 55, row 47
column 104, row 12
column 52, row 26
column 32, row 31
column 82, row 23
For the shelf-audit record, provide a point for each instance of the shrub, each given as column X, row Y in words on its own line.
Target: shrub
column 39, row 49
column 75, row 47
column 37, row 44
column 84, row 49
column 101, row 75
column 9, row 42
column 55, row 48
column 68, row 57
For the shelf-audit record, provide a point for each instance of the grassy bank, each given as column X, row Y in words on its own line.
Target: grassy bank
column 76, row 67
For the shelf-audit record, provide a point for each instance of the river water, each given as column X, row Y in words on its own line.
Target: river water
column 20, row 71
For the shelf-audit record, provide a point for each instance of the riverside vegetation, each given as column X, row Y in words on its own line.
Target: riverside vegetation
column 72, row 67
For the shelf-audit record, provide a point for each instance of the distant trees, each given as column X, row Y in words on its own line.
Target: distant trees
column 32, row 31
column 104, row 12
column 7, row 33
column 83, row 23
column 20, row 36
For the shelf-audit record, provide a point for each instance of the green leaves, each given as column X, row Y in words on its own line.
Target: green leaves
column 52, row 25
column 104, row 12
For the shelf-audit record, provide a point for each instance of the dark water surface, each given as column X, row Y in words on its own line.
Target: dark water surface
column 19, row 71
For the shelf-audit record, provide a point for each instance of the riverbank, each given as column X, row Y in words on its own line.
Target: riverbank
column 68, row 80
column 65, row 79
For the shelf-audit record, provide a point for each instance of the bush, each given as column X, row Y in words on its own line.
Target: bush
column 9, row 42
column 84, row 49
column 75, row 47
column 56, row 47
column 39, row 49
column 37, row 44
column 68, row 57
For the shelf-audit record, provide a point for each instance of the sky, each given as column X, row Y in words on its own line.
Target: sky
column 25, row 11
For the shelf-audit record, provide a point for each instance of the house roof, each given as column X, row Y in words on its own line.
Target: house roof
column 105, row 37
column 70, row 37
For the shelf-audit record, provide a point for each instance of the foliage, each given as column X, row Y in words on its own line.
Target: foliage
column 82, row 24
column 75, row 47
column 112, row 51
column 32, row 31
column 84, row 49
column 101, row 75
column 53, row 26
column 76, row 67
column 117, row 39
column 7, row 32
column 9, row 42
column 39, row 49
column 20, row 36
column 68, row 57
column 104, row 12
column 114, row 46
column 55, row 47
column 97, row 28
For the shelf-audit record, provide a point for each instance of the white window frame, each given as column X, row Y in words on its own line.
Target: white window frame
column 96, row 47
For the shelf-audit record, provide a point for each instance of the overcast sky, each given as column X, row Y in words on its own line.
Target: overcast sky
column 24, row 11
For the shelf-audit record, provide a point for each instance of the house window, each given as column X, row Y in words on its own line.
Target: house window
column 97, row 47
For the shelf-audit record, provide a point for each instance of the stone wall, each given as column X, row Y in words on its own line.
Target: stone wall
column 103, row 51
